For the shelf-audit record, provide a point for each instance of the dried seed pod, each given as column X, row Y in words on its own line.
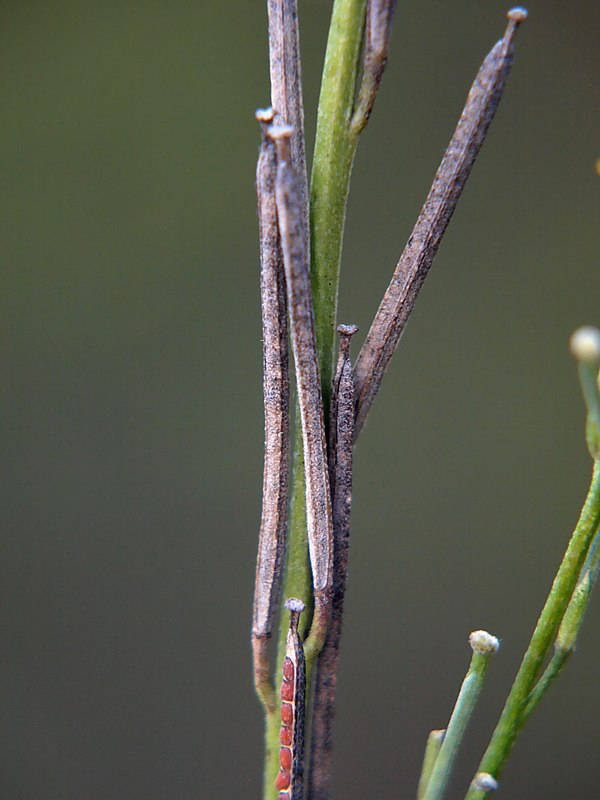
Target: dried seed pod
column 299, row 296
column 423, row 243
column 289, row 781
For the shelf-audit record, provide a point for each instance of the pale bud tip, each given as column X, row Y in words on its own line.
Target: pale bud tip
column 265, row 115
column 293, row 604
column 585, row 344
column 485, row 782
column 347, row 330
column 518, row 14
column 484, row 643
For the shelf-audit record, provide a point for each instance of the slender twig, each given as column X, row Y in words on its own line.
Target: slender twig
column 286, row 89
column 290, row 778
column 295, row 259
column 335, row 147
column 432, row 749
column 585, row 346
column 423, row 243
column 276, row 403
column 340, row 460
column 566, row 638
column 380, row 14
column 484, row 645
column 559, row 658
column 512, row 718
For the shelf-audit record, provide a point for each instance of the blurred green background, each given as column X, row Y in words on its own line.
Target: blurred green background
column 131, row 396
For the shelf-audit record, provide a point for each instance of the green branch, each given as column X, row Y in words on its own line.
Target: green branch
column 335, row 146
column 515, row 713
column 484, row 645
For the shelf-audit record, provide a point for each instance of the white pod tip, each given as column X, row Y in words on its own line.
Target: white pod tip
column 484, row 643
column 518, row 14
column 265, row 115
column 293, row 604
column 277, row 132
column 485, row 782
column 585, row 344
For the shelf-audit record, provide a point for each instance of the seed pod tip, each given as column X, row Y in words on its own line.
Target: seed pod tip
column 585, row 344
column 518, row 14
column 265, row 115
column 485, row 782
column 347, row 330
column 293, row 604
column 484, row 643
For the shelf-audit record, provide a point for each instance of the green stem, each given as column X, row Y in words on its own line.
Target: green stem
column 514, row 713
column 570, row 626
column 335, row 146
column 271, row 766
column 432, row 749
column 463, row 711
column 551, row 673
column 334, row 154
column 588, row 376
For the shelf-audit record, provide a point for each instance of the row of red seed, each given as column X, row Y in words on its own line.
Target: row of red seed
column 286, row 735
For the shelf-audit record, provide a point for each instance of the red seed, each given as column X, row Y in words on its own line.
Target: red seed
column 285, row 758
column 288, row 669
column 286, row 737
column 283, row 780
column 287, row 714
column 287, row 691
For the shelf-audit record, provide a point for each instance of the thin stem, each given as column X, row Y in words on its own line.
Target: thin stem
column 271, row 764
column 484, row 645
column 585, row 346
column 432, row 749
column 551, row 673
column 335, row 147
column 513, row 715
column 570, row 627
column 423, row 243
column 588, row 375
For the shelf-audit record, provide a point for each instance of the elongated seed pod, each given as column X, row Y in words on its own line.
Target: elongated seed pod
column 423, row 243
column 286, row 88
column 380, row 14
column 275, row 391
column 296, row 262
column 276, row 413
column 289, row 781
column 341, row 435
